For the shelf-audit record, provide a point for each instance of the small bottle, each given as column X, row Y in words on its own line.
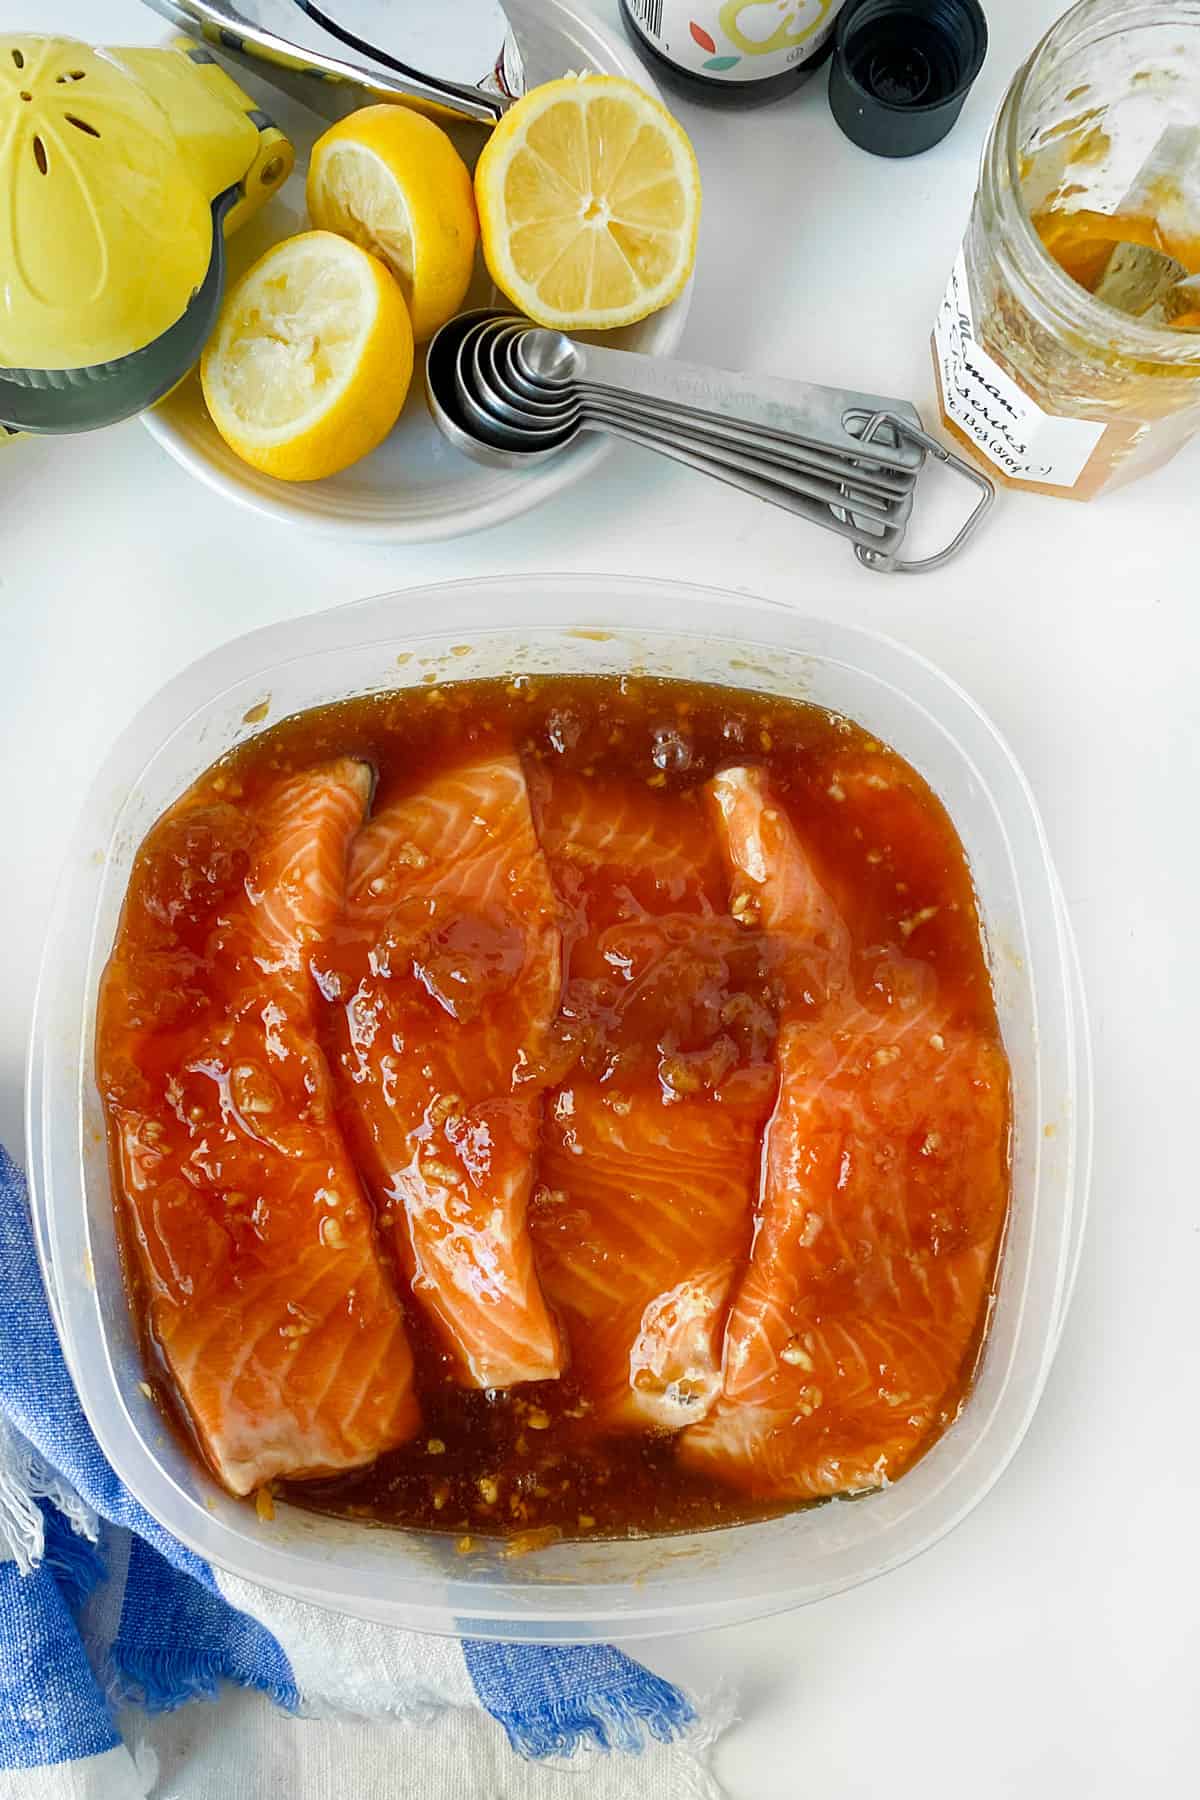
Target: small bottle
column 740, row 53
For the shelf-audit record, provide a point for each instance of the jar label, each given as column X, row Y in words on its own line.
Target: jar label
column 742, row 40
column 986, row 404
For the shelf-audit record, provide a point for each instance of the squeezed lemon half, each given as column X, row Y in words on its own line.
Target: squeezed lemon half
column 391, row 181
column 311, row 360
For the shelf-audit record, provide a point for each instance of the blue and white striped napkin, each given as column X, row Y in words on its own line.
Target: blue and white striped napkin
column 106, row 1620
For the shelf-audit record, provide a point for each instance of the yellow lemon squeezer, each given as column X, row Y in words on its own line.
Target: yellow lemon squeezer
column 121, row 172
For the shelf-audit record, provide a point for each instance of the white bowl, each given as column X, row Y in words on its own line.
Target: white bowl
column 414, row 487
column 569, row 1591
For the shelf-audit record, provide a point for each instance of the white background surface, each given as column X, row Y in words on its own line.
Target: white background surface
column 1050, row 1647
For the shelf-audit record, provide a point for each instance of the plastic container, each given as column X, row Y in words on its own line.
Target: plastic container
column 600, row 624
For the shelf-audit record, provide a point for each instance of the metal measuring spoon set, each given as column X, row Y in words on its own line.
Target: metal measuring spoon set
column 510, row 395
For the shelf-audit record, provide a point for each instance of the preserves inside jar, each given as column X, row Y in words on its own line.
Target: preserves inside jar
column 556, row 1107
column 1125, row 230
column 1134, row 262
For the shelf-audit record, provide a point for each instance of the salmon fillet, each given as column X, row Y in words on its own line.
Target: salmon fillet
column 447, row 985
column 885, row 1184
column 650, row 1146
column 267, row 1297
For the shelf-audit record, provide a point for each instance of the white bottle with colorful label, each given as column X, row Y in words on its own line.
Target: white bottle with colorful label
column 738, row 52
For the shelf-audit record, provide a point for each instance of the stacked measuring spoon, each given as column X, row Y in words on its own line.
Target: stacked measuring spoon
column 510, row 394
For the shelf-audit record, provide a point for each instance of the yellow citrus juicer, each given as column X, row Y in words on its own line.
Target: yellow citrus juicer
column 121, row 172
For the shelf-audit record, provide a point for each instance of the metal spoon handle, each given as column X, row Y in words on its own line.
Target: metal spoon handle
column 883, row 542
column 802, row 409
column 780, row 452
column 828, row 492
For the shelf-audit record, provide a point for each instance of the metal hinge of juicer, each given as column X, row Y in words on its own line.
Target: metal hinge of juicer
column 337, row 55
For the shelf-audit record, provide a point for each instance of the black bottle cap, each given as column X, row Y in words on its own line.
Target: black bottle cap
column 901, row 70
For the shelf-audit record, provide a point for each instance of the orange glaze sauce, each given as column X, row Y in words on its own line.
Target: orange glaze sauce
column 529, row 1462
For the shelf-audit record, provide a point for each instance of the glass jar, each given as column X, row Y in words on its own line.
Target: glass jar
column 735, row 53
column 1092, row 166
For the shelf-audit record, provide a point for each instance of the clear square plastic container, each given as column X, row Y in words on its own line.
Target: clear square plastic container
column 570, row 624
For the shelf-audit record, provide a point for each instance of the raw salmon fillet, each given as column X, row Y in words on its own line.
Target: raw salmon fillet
column 446, row 988
column 650, row 1147
column 254, row 1242
column 885, row 1184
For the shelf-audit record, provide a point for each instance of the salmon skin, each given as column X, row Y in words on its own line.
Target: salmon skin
column 650, row 1147
column 885, row 1183
column 444, row 989
column 267, row 1298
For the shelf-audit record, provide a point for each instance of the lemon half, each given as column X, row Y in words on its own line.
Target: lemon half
column 392, row 181
column 589, row 203
column 312, row 356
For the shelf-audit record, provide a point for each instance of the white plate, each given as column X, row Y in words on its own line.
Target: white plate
column 414, row 487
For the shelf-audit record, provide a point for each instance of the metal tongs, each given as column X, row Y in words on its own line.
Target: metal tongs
column 455, row 57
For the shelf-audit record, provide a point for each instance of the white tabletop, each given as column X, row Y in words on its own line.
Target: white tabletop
column 1050, row 1647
